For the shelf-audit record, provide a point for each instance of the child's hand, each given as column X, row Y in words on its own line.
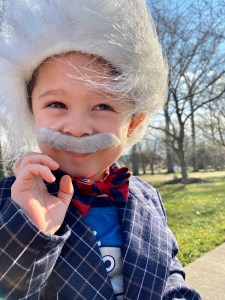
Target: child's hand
column 30, row 193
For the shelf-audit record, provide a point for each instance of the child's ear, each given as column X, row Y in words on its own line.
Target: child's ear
column 135, row 122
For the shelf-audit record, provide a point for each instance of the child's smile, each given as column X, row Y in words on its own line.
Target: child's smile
column 64, row 101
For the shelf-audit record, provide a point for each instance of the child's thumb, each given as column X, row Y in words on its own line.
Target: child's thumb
column 65, row 190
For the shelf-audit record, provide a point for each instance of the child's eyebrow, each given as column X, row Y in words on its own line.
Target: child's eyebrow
column 50, row 93
column 97, row 93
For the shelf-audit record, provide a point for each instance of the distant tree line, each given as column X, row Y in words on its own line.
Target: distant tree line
column 152, row 158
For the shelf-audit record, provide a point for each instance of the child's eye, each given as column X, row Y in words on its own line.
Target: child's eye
column 57, row 105
column 103, row 106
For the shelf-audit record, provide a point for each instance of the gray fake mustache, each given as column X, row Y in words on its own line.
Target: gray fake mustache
column 87, row 144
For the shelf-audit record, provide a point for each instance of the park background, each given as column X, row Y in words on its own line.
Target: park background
column 183, row 152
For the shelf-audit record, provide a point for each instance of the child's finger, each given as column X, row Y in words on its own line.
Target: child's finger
column 65, row 189
column 31, row 171
column 35, row 158
column 38, row 158
column 19, row 160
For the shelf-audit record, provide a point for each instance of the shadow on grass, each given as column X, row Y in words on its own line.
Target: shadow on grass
column 189, row 180
column 178, row 188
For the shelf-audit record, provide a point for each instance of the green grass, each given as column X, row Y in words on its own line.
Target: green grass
column 196, row 212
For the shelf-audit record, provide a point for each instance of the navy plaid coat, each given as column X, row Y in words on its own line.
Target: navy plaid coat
column 68, row 265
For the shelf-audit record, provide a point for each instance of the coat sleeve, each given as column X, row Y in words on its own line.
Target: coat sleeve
column 176, row 287
column 27, row 256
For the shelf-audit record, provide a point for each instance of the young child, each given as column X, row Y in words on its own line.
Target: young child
column 79, row 81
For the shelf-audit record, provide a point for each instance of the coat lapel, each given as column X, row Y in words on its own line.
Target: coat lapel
column 80, row 263
column 145, row 262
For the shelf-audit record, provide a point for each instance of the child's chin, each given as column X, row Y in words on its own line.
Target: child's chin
column 75, row 172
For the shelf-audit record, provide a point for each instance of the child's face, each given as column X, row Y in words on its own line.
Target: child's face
column 71, row 106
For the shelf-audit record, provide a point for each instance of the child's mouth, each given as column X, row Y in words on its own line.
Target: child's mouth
column 78, row 155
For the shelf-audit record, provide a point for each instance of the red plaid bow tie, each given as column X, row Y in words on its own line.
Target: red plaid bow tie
column 115, row 185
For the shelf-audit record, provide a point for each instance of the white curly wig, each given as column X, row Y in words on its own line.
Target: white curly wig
column 119, row 31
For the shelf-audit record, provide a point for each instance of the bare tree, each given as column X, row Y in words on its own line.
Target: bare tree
column 149, row 153
column 212, row 123
column 142, row 157
column 134, row 160
column 145, row 155
column 193, row 38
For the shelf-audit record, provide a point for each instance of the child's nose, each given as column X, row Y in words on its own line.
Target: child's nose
column 78, row 124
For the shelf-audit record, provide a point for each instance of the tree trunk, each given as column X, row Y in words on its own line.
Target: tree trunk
column 204, row 164
column 181, row 154
column 152, row 168
column 134, row 157
column 143, row 163
column 194, row 157
column 183, row 166
column 169, row 161
column 169, row 157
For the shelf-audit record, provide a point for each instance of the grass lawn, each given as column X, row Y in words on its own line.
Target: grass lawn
column 196, row 212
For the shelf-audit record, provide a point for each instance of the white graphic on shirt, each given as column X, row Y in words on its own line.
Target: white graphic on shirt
column 113, row 262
